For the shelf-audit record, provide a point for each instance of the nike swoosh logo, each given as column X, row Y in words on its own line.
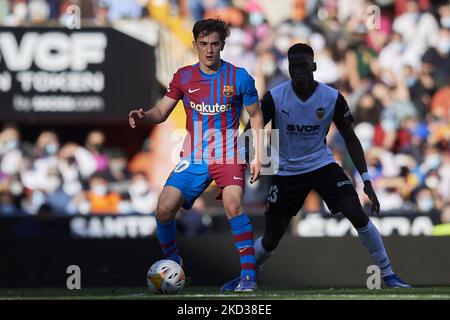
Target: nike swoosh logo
column 193, row 90
column 237, row 178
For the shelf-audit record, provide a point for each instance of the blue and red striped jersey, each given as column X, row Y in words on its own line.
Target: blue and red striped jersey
column 213, row 104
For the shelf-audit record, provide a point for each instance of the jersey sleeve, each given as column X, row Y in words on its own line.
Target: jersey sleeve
column 342, row 117
column 267, row 107
column 174, row 90
column 247, row 88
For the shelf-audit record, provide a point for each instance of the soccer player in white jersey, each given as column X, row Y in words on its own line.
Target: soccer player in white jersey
column 302, row 109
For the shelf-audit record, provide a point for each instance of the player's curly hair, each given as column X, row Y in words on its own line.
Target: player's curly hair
column 301, row 48
column 207, row 26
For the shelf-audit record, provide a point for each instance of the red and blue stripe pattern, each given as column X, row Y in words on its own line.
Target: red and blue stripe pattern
column 213, row 104
column 243, row 241
column 166, row 233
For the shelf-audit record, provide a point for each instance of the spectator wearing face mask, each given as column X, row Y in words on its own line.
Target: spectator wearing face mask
column 11, row 193
column 99, row 198
column 444, row 13
column 44, row 161
column 10, row 152
column 416, row 27
column 38, row 11
column 433, row 181
column 432, row 159
column 368, row 109
column 327, row 69
column 438, row 56
column 269, row 72
column 95, row 143
column 47, row 144
column 117, row 167
column 394, row 57
column 425, row 200
column 143, row 198
column 76, row 164
column 56, row 196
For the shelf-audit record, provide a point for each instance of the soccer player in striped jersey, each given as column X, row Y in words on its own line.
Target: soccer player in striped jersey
column 303, row 109
column 213, row 92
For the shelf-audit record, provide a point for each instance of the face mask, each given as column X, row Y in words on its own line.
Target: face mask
column 317, row 42
column 445, row 22
column 10, row 145
column 413, row 16
column 433, row 161
column 432, row 182
column 366, row 144
column 37, row 198
column 51, row 148
column 283, row 43
column 72, row 188
column 256, row 18
column 20, row 10
column 425, row 204
column 268, row 69
column 443, row 46
column 139, row 187
column 410, row 82
column 99, row 189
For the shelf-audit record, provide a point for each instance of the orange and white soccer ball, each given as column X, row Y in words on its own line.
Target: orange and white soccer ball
column 165, row 277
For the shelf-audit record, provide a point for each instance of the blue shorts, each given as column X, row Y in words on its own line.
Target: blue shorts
column 192, row 179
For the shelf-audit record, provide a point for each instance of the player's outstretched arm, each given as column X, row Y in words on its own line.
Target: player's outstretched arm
column 155, row 115
column 356, row 153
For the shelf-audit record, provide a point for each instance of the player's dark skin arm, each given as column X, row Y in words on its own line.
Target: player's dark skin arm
column 356, row 153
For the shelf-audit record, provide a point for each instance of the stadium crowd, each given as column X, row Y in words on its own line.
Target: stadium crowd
column 71, row 178
column 393, row 69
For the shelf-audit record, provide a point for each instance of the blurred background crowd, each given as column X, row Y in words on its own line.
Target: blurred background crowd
column 389, row 58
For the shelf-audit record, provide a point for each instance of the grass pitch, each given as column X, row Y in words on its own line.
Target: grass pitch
column 199, row 293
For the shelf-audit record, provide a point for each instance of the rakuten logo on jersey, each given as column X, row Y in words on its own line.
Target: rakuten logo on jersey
column 208, row 109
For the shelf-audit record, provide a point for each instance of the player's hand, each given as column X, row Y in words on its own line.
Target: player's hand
column 134, row 116
column 255, row 171
column 375, row 207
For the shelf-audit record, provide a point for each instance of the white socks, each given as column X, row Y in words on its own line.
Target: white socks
column 261, row 255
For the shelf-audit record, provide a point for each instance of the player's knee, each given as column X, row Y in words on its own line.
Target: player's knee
column 164, row 213
column 360, row 220
column 233, row 208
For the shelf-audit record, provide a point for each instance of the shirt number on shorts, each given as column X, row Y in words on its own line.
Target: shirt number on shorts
column 273, row 194
column 183, row 165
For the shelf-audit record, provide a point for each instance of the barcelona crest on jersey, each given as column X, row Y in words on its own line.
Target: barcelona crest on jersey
column 228, row 91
